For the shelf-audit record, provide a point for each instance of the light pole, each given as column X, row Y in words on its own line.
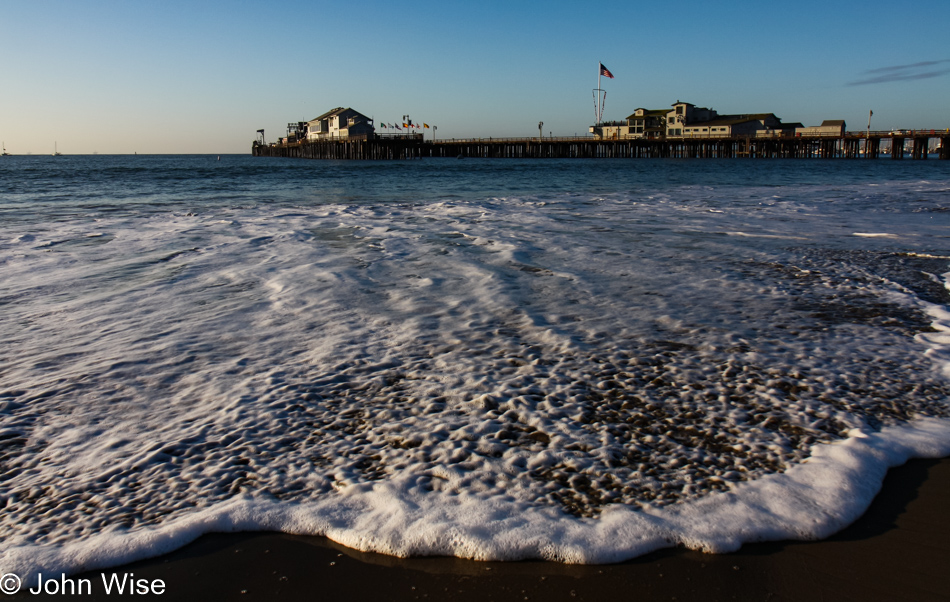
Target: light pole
column 540, row 133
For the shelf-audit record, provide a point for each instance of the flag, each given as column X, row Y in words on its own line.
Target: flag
column 425, row 125
column 605, row 71
column 405, row 126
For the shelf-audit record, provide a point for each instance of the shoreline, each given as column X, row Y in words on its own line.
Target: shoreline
column 898, row 550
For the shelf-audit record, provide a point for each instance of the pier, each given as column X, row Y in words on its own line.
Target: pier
column 851, row 145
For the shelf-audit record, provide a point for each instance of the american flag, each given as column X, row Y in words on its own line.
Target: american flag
column 605, row 71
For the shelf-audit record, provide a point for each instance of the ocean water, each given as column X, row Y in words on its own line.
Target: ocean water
column 581, row 361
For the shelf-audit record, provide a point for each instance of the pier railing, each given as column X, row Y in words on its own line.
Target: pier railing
column 513, row 139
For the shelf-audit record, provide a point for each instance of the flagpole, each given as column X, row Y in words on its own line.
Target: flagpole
column 599, row 107
column 599, row 74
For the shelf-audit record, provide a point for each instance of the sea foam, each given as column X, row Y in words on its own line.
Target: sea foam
column 579, row 378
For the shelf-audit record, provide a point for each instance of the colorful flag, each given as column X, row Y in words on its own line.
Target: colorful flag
column 605, row 71
column 425, row 125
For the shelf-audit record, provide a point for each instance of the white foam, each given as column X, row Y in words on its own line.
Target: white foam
column 811, row 500
column 583, row 380
column 778, row 236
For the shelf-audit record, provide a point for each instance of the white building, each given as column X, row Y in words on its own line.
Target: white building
column 340, row 124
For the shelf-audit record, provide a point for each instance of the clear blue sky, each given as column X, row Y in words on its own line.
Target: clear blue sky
column 183, row 76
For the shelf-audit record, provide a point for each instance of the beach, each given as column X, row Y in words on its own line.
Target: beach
column 558, row 369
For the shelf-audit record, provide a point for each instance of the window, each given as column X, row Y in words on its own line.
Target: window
column 679, row 110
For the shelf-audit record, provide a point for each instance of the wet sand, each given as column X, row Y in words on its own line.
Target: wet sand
column 899, row 550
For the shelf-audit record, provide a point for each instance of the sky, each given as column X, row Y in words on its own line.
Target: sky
column 114, row 77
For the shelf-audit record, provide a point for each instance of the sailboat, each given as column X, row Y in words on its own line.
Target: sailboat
column 5, row 153
column 56, row 152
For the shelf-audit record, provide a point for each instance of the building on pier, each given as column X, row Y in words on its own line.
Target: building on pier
column 340, row 124
column 611, row 130
column 686, row 120
column 829, row 127
column 647, row 123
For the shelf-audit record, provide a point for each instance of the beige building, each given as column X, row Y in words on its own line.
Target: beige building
column 339, row 124
column 686, row 120
column 610, row 130
column 829, row 127
column 737, row 125
column 647, row 123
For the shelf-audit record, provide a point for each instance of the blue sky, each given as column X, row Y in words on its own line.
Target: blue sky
column 202, row 77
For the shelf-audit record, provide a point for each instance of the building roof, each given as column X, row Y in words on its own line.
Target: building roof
column 328, row 114
column 650, row 113
column 832, row 122
column 337, row 111
column 733, row 119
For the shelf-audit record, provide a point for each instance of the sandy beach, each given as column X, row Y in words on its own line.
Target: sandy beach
column 899, row 550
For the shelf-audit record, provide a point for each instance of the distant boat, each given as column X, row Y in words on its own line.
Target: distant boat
column 56, row 152
column 5, row 153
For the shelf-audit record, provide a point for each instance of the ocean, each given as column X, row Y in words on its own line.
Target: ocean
column 575, row 360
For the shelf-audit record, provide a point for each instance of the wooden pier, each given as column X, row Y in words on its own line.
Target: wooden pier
column 852, row 145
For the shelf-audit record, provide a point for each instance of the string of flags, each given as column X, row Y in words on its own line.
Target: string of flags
column 406, row 125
